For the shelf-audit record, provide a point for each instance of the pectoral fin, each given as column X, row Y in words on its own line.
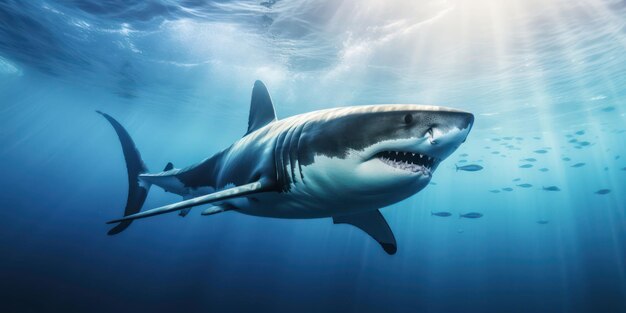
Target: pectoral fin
column 235, row 192
column 374, row 224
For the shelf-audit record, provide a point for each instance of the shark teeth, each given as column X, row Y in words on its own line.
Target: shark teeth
column 408, row 161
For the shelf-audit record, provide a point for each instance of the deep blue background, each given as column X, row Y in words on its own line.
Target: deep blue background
column 178, row 75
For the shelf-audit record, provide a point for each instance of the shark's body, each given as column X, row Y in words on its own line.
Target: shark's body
column 343, row 163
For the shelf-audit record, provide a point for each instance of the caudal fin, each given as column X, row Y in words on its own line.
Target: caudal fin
column 137, row 189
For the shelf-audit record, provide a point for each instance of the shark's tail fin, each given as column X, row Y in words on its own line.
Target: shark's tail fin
column 457, row 167
column 137, row 188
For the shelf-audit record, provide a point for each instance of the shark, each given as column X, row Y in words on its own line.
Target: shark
column 344, row 163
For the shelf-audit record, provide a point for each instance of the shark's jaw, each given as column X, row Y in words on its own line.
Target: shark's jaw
column 413, row 162
column 410, row 161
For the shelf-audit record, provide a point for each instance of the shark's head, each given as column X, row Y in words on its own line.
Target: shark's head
column 380, row 154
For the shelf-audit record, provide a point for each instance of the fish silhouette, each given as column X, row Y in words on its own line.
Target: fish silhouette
column 471, row 215
column 551, row 188
column 469, row 168
column 442, row 214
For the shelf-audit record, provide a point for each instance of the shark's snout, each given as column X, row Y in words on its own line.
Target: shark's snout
column 449, row 133
column 459, row 123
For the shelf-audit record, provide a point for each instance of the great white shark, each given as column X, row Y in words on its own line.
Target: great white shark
column 344, row 163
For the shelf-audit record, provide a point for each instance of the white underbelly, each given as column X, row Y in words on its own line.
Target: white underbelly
column 296, row 204
column 281, row 205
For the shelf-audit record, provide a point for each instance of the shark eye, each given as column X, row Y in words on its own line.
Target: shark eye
column 408, row 118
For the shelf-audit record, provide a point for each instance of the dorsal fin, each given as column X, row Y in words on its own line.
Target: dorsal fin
column 168, row 167
column 261, row 108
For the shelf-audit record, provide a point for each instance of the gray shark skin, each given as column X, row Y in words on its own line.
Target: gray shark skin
column 344, row 163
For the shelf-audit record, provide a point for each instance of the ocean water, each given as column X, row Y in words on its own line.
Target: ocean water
column 545, row 80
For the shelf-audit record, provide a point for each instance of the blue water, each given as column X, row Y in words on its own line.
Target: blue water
column 178, row 75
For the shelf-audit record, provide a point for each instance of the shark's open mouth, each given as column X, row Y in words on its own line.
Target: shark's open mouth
column 408, row 161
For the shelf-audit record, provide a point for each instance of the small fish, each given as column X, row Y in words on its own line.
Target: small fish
column 580, row 132
column 617, row 157
column 543, row 169
column 566, row 159
column 460, row 231
column 541, row 151
column 517, row 179
column 530, row 160
column 442, row 214
column 526, row 166
column 525, row 185
column 507, row 138
column 463, row 155
column 462, row 161
column 469, row 168
column 569, row 136
column 608, row 109
column 537, row 138
column 494, row 191
column 578, row 165
column 603, row 191
column 573, row 140
column 624, row 169
column 495, row 139
column 432, row 183
column 543, row 222
column 471, row 215
column 507, row 189
column 519, row 138
column 551, row 188
column 495, row 152
column 584, row 143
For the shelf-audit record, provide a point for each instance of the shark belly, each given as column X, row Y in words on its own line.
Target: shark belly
column 314, row 194
column 288, row 205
